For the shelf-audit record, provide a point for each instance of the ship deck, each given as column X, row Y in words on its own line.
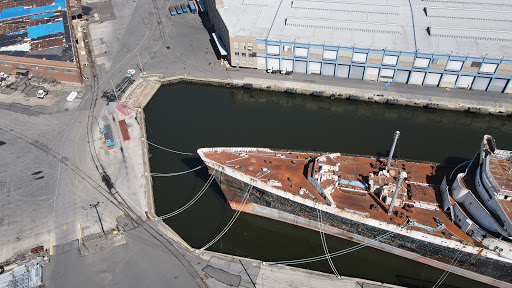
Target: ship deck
column 287, row 172
column 501, row 171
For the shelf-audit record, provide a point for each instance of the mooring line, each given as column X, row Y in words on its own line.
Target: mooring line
column 244, row 200
column 177, row 173
column 170, row 150
column 210, row 180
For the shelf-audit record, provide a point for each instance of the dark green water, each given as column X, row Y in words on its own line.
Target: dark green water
column 187, row 117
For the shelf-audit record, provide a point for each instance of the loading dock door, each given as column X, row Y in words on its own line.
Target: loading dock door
column 287, row 65
column 371, row 73
column 498, row 85
column 300, row 66
column 273, row 63
column 465, row 82
column 342, row 71
column 481, row 83
column 432, row 79
column 328, row 69
column 356, row 72
column 448, row 81
column 386, row 74
column 401, row 76
column 417, row 78
column 314, row 67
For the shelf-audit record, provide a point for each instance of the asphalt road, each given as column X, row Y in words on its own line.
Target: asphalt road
column 144, row 260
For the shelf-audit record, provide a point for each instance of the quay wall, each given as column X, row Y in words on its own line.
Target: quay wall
column 334, row 92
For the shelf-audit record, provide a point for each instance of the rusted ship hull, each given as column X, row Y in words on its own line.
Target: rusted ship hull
column 267, row 204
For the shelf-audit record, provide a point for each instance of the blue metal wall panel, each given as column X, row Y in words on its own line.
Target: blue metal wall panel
column 22, row 11
column 45, row 29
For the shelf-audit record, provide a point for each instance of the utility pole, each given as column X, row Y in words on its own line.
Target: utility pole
column 140, row 64
column 96, row 207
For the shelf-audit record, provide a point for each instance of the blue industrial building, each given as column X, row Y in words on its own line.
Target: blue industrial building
column 451, row 44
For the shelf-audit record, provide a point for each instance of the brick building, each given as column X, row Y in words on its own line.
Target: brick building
column 36, row 38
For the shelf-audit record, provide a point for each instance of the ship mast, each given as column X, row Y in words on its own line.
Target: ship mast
column 398, row 186
column 397, row 134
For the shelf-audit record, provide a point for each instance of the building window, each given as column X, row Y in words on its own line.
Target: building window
column 66, row 70
column 20, row 65
column 4, row 63
column 242, row 46
column 421, row 62
column 236, row 53
column 476, row 64
column 235, row 45
column 359, row 57
column 243, row 54
column 49, row 68
column 250, row 60
column 288, row 48
column 37, row 67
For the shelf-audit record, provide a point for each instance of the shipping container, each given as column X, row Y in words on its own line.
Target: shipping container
column 184, row 8
column 124, row 130
column 107, row 132
column 172, row 10
column 193, row 7
column 178, row 9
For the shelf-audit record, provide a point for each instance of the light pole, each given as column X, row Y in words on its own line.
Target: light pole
column 96, row 207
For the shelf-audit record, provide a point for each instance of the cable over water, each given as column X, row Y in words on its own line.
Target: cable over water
column 341, row 252
column 170, row 150
column 177, row 173
column 191, row 201
column 324, row 244
column 244, row 200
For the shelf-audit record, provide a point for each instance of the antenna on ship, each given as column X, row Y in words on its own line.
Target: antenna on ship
column 397, row 134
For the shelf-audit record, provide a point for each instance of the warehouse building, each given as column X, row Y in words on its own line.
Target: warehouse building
column 447, row 43
column 35, row 39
